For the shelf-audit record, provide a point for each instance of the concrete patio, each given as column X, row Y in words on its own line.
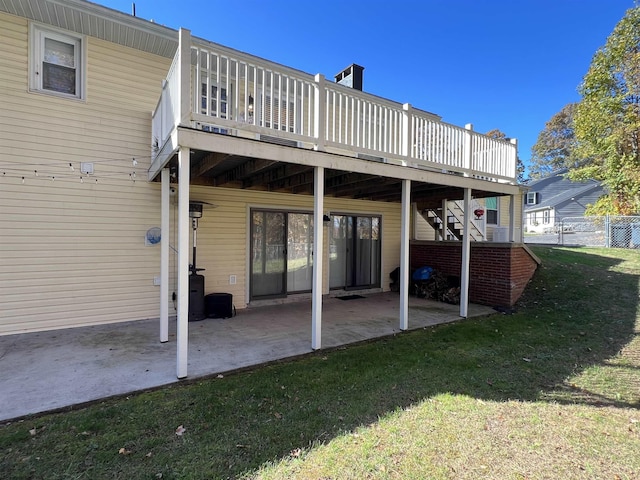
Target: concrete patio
column 50, row 370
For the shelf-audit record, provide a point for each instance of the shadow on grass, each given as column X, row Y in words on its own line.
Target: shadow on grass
column 576, row 313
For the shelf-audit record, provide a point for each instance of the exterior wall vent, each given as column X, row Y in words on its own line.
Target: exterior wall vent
column 371, row 158
column 279, row 141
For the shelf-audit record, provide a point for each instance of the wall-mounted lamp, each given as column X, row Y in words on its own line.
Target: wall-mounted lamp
column 250, row 106
column 326, row 218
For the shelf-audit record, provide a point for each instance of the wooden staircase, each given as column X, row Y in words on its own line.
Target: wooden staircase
column 455, row 222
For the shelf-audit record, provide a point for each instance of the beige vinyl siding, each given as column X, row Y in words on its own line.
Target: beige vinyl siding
column 73, row 253
column 422, row 230
column 222, row 237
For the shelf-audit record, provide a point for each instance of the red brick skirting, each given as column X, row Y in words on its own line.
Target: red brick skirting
column 499, row 272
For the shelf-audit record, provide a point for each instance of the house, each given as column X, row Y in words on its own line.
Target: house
column 553, row 198
column 143, row 169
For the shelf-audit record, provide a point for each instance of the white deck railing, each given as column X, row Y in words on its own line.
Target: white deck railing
column 232, row 92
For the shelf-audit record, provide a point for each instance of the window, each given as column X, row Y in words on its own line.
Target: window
column 491, row 205
column 546, row 217
column 57, row 63
column 215, row 100
column 282, row 113
column 532, row 198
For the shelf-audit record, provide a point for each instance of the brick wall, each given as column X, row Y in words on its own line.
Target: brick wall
column 499, row 272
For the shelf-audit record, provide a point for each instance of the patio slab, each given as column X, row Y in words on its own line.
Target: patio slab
column 51, row 370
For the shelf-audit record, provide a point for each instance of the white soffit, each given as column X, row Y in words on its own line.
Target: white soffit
column 97, row 21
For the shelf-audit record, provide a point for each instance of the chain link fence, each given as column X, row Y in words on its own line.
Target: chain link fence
column 610, row 231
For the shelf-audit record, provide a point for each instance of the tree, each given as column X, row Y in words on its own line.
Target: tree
column 555, row 148
column 607, row 119
column 498, row 134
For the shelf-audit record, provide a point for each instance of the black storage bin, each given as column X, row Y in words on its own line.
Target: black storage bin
column 219, row 305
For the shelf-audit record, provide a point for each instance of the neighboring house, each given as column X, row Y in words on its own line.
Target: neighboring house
column 121, row 141
column 553, row 198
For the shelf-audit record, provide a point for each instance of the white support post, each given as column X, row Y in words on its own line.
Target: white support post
column 184, row 91
column 514, row 142
column 183, row 262
column 512, row 219
column 466, row 255
column 404, row 255
column 415, row 214
column 164, row 256
column 445, row 219
column 468, row 149
column 318, row 255
column 407, row 113
column 320, row 111
column 523, row 218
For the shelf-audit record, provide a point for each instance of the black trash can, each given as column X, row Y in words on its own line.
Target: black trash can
column 219, row 305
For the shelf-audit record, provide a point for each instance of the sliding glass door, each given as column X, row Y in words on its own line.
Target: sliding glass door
column 354, row 251
column 281, row 253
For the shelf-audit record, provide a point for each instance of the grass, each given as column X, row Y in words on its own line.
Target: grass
column 551, row 391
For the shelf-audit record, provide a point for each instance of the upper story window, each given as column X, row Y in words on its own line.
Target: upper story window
column 532, row 198
column 57, row 62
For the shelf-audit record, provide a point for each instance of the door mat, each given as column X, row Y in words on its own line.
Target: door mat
column 350, row 297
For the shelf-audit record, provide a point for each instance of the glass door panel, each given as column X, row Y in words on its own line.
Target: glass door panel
column 299, row 252
column 268, row 254
column 354, row 256
column 338, row 251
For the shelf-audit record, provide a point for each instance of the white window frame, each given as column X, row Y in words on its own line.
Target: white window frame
column 546, row 217
column 37, row 36
column 497, row 210
column 531, row 198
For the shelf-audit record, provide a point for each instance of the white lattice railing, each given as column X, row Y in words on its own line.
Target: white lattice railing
column 224, row 90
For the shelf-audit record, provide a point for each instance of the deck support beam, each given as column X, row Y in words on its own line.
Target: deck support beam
column 164, row 256
column 183, row 262
column 512, row 218
column 318, row 256
column 466, row 255
column 445, row 219
column 404, row 255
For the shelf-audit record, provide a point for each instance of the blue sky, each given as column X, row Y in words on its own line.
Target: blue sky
column 506, row 64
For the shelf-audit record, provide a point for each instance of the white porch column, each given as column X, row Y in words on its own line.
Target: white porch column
column 445, row 219
column 164, row 256
column 184, row 90
column 404, row 255
column 466, row 255
column 468, row 149
column 415, row 214
column 183, row 262
column 318, row 256
column 407, row 113
column 512, row 219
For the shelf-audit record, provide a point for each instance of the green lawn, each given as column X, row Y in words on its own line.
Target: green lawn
column 552, row 391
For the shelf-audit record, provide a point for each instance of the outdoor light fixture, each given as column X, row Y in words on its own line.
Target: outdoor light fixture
column 250, row 107
column 478, row 212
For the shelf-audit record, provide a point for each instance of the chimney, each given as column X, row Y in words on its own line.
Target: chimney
column 351, row 76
